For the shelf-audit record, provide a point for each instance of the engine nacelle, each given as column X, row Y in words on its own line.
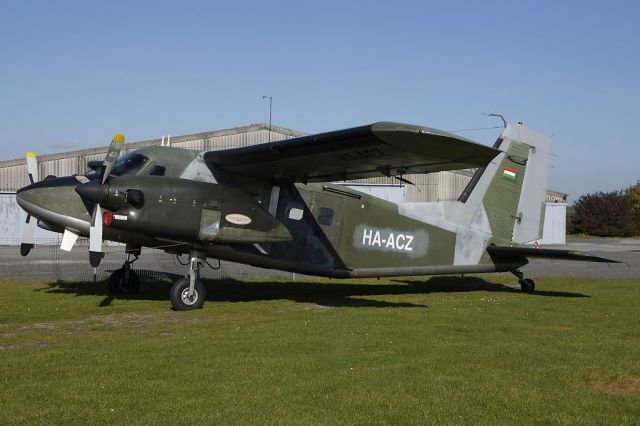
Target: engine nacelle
column 184, row 210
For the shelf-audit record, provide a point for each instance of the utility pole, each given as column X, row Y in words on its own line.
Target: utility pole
column 270, row 103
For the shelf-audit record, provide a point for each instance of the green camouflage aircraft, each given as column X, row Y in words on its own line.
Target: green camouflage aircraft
column 272, row 205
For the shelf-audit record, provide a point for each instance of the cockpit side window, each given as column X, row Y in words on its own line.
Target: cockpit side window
column 157, row 170
column 129, row 164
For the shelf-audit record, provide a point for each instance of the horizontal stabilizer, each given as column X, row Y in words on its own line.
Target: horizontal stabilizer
column 541, row 253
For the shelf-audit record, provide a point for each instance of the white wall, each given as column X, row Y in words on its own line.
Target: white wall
column 555, row 224
column 12, row 219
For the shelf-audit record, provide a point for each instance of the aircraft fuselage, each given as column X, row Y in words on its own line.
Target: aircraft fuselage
column 318, row 229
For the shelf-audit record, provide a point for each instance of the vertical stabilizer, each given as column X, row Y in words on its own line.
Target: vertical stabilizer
column 531, row 207
column 512, row 189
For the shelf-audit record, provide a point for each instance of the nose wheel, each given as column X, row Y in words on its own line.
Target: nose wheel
column 527, row 285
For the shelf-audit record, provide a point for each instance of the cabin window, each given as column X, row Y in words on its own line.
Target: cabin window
column 325, row 216
column 295, row 213
column 157, row 171
column 129, row 164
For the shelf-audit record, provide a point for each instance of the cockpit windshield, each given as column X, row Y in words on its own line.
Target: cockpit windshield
column 129, row 164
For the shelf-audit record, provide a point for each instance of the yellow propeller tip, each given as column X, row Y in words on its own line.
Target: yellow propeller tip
column 31, row 154
column 119, row 138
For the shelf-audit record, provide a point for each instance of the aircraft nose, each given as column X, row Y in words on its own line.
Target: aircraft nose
column 27, row 196
column 52, row 195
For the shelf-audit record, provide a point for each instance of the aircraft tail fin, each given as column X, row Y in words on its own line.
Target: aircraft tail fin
column 512, row 188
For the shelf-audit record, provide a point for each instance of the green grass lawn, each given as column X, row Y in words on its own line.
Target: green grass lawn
column 439, row 350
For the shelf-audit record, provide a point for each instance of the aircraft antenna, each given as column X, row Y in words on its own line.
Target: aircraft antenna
column 504, row 122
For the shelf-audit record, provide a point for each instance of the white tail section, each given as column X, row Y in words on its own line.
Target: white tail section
column 512, row 188
column 531, row 207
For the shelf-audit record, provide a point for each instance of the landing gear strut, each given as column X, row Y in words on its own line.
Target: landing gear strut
column 189, row 293
column 527, row 285
column 124, row 280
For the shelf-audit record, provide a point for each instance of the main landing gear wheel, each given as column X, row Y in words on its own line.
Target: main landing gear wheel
column 124, row 280
column 527, row 285
column 183, row 299
column 121, row 282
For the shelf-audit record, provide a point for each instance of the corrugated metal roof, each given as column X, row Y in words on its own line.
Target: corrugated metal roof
column 13, row 173
column 174, row 140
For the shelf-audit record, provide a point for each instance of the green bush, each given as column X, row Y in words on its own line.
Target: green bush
column 605, row 214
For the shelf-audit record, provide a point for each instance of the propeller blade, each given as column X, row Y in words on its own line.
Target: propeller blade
column 95, row 237
column 68, row 240
column 112, row 155
column 27, row 235
column 32, row 167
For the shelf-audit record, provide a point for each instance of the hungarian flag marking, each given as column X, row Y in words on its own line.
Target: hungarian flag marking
column 509, row 173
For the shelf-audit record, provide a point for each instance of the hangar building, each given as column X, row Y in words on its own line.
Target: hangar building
column 441, row 186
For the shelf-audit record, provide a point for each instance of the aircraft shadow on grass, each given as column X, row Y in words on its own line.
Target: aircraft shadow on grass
column 330, row 294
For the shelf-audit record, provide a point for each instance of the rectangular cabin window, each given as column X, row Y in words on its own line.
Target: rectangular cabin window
column 157, row 171
column 325, row 216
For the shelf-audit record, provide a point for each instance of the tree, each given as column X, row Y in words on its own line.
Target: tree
column 606, row 214
column 633, row 194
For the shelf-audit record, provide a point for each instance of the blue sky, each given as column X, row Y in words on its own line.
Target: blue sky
column 74, row 73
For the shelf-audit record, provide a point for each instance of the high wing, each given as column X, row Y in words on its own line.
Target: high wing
column 384, row 148
column 559, row 254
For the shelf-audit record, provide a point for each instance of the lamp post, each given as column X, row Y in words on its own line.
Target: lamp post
column 270, row 103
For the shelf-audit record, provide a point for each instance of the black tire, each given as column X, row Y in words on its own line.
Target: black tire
column 179, row 295
column 527, row 285
column 118, row 285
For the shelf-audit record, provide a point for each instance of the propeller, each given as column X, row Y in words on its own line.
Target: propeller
column 30, row 225
column 96, row 193
column 112, row 155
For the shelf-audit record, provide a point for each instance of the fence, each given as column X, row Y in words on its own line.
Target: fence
column 47, row 261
